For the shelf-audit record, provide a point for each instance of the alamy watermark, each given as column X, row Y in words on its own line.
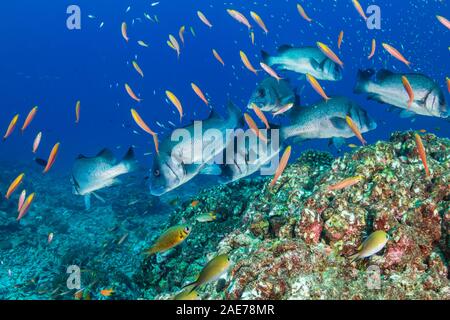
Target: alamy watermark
column 73, row 21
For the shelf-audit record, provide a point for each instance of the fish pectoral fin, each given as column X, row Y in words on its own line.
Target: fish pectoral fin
column 87, row 202
column 337, row 142
column 213, row 170
column 98, row 197
column 339, row 123
column 406, row 114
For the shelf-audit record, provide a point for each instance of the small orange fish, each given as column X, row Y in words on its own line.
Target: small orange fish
column 345, row 183
column 282, row 165
column 239, row 17
column 259, row 21
column 194, row 203
column 396, row 54
column 204, row 19
column 218, row 57
column 37, row 141
column 52, row 157
column 252, row 125
column 11, row 127
column 131, row 93
column 444, row 21
column 199, row 93
column 169, row 239
column 138, row 68
column 270, row 71
column 422, row 153
column 329, row 53
column 173, row 98
column 448, row 84
column 374, row 47
column 409, row 90
column 355, row 130
column 316, row 86
column 29, row 118
column 124, row 31
column 340, row 39
column 283, row 109
column 107, row 292
column 21, row 200
column 359, row 9
column 14, row 185
column 137, row 118
column 260, row 115
column 303, row 13
column 26, row 206
column 77, row 112
column 247, row 63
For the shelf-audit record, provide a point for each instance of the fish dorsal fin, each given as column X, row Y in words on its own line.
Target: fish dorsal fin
column 284, row 48
column 383, row 74
column 106, row 154
column 338, row 123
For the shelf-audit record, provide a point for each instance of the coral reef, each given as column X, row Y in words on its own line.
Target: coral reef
column 292, row 241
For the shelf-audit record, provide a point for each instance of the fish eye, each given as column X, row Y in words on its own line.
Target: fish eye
column 156, row 173
column 187, row 229
column 261, row 93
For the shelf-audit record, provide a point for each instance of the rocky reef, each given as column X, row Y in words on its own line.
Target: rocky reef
column 293, row 241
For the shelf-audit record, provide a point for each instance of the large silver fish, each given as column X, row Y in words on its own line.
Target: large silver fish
column 388, row 88
column 180, row 161
column 246, row 155
column 327, row 120
column 90, row 174
column 271, row 95
column 306, row 60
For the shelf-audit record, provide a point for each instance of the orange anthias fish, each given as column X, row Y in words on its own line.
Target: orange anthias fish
column 396, row 54
column 52, row 157
column 239, row 17
column 37, row 141
column 422, row 153
column 303, row 13
column 260, row 115
column 194, row 203
column 26, row 206
column 359, row 9
column 283, row 109
column 218, row 57
column 124, row 31
column 340, row 39
column 409, row 90
column 247, row 63
column 169, row 239
column 270, row 71
column 259, row 21
column 329, row 53
column 204, row 19
column 199, row 93
column 21, row 200
column 107, row 292
column 14, row 185
column 77, row 111
column 345, row 183
column 11, row 127
column 282, row 165
column 355, row 129
column 181, row 33
column 444, row 21
column 137, row 118
column 131, row 93
column 173, row 98
column 316, row 86
column 29, row 118
column 374, row 47
column 448, row 84
column 252, row 125
column 175, row 44
column 138, row 68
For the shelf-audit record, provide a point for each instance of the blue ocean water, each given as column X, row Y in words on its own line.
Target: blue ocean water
column 45, row 64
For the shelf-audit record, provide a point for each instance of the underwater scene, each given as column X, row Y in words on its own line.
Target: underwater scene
column 225, row 150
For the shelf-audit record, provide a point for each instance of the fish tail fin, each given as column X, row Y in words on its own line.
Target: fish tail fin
column 363, row 79
column 129, row 160
column 149, row 252
column 266, row 58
